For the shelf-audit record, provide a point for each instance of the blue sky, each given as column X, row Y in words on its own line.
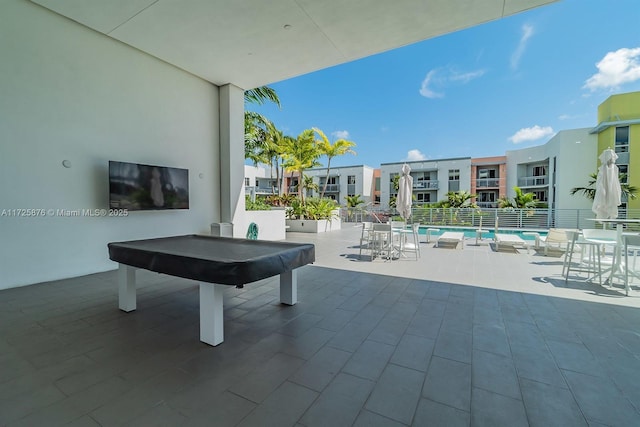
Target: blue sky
column 503, row 85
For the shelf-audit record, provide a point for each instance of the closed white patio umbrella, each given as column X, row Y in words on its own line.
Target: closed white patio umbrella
column 608, row 192
column 405, row 192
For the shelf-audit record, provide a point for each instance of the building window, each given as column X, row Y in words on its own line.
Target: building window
column 539, row 171
column 423, row 197
column 622, row 139
column 247, row 182
column 624, row 169
column 541, row 196
column 377, row 184
column 486, row 173
column 351, row 179
column 454, row 179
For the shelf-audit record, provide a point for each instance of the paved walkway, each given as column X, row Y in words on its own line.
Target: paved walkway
column 460, row 337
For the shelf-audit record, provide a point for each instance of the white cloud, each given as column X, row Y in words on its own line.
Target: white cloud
column 531, row 134
column 615, row 69
column 527, row 32
column 438, row 79
column 415, row 155
column 424, row 88
column 340, row 134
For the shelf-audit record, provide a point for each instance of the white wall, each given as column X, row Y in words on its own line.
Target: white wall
column 67, row 92
column 574, row 162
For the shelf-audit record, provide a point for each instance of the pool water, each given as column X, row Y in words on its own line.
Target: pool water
column 471, row 232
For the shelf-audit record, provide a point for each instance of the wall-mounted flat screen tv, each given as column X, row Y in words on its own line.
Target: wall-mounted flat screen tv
column 135, row 187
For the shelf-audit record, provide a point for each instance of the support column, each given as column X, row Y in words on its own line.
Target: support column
column 231, row 155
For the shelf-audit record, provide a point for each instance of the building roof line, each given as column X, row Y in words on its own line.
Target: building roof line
column 606, row 125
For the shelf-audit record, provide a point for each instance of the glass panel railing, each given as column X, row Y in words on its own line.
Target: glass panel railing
column 533, row 181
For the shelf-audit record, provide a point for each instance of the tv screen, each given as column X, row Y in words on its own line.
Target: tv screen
column 134, row 187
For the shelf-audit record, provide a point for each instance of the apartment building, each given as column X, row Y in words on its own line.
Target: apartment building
column 432, row 179
column 619, row 128
column 344, row 181
column 488, row 180
column 552, row 169
column 260, row 180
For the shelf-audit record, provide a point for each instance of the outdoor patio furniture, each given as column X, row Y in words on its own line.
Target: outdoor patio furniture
column 451, row 238
column 511, row 241
column 429, row 231
column 366, row 237
column 382, row 241
column 409, row 241
column 588, row 256
column 631, row 244
column 553, row 244
column 479, row 233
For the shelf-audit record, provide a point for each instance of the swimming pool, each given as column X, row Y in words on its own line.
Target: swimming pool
column 471, row 232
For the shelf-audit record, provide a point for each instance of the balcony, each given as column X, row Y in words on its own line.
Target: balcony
column 487, row 205
column 488, row 183
column 429, row 185
column 533, row 181
column 331, row 188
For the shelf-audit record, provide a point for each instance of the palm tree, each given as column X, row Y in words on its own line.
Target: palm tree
column 521, row 200
column 339, row 148
column 255, row 124
column 260, row 95
column 308, row 184
column 459, row 199
column 255, row 135
column 300, row 154
column 628, row 191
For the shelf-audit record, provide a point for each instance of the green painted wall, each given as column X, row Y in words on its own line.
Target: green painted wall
column 625, row 106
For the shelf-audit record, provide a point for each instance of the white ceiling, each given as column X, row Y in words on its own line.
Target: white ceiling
column 251, row 43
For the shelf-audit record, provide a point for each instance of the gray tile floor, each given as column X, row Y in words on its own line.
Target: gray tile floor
column 460, row 337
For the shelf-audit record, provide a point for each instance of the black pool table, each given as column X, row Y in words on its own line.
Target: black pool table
column 215, row 262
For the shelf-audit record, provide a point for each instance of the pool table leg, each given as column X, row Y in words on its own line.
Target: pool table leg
column 126, row 287
column 289, row 287
column 211, row 313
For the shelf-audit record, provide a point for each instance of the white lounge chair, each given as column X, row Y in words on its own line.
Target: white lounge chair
column 555, row 243
column 451, row 237
column 510, row 240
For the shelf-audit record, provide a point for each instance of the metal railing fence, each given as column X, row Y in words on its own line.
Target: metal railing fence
column 490, row 218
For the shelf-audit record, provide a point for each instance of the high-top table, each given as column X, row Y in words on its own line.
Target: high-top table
column 617, row 267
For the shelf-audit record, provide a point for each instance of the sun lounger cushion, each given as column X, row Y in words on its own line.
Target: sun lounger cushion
column 451, row 237
column 510, row 240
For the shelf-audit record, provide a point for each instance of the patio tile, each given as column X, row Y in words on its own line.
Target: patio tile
column 496, row 373
column 369, row 360
column 396, row 393
column 282, row 407
column 425, row 325
column 448, row 382
column 264, row 379
column 549, row 405
column 371, row 419
column 601, row 401
column 430, row 413
column 454, row 345
column 318, row 371
column 340, row 402
column 413, row 352
column 495, row 410
column 537, row 364
column 575, row 357
column 492, row 338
